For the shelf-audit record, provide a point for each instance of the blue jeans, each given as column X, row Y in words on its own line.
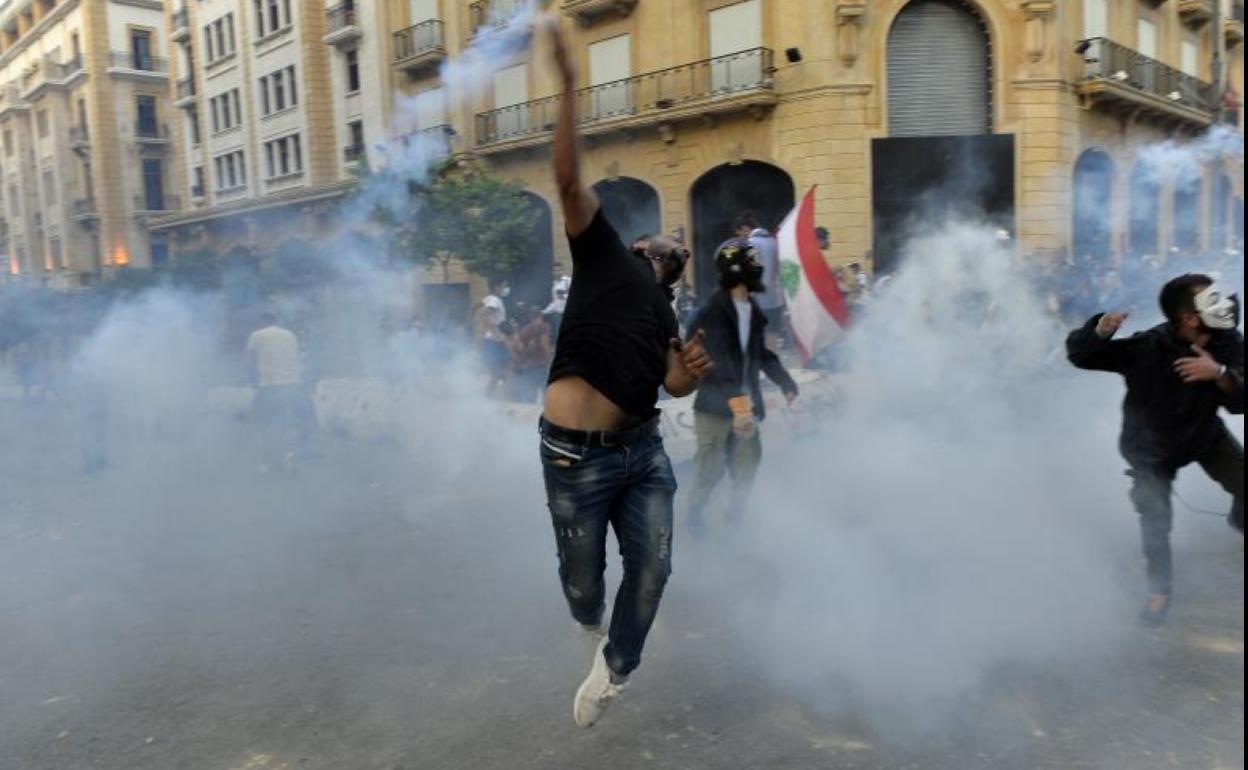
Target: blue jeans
column 629, row 487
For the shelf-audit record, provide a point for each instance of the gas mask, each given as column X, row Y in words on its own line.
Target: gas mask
column 737, row 263
column 1217, row 310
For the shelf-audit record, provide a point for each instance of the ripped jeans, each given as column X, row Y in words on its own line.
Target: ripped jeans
column 629, row 486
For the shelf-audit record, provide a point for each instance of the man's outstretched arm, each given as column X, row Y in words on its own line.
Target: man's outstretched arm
column 578, row 202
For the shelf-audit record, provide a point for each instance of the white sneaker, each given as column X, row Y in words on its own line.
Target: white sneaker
column 596, row 692
column 590, row 636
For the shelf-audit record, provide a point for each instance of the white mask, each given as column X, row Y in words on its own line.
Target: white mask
column 1217, row 310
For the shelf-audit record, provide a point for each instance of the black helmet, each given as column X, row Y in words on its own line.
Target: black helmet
column 737, row 263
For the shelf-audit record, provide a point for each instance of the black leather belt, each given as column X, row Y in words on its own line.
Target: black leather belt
column 598, row 438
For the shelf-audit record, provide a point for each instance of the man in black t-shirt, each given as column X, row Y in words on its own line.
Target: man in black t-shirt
column 602, row 457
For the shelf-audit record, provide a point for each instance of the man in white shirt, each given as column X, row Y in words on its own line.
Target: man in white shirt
column 279, row 405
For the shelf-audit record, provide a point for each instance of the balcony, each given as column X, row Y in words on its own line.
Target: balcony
column 184, row 93
column 739, row 82
column 180, row 26
column 155, row 204
column 1195, row 13
column 341, row 25
column 435, row 140
column 419, row 47
column 197, row 192
column 1233, row 26
column 79, row 140
column 588, row 11
column 352, row 153
column 11, row 101
column 133, row 64
column 85, row 210
column 150, row 133
column 1119, row 77
column 492, row 12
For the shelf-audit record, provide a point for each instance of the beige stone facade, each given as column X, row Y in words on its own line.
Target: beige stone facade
column 86, row 153
column 704, row 106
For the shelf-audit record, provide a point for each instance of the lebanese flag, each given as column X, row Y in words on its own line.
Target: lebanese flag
column 818, row 312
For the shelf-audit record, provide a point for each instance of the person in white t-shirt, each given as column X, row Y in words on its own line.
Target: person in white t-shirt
column 279, row 403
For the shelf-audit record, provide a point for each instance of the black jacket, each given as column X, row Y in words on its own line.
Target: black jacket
column 718, row 319
column 1165, row 421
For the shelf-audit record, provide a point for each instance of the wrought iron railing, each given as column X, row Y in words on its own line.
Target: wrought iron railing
column 438, row 137
column 197, row 191
column 78, row 135
column 85, row 206
column 181, row 19
column 162, row 202
column 186, row 87
column 145, row 129
column 352, row 152
column 339, row 17
column 1103, row 59
column 418, row 38
column 139, row 61
column 652, row 92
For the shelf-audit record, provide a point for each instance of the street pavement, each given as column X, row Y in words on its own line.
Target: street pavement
column 386, row 611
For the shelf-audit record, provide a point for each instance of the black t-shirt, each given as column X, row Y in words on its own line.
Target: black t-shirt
column 617, row 324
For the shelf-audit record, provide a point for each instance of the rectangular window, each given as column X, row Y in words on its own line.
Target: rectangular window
column 424, row 10
column 355, row 129
column 238, row 106
column 263, row 86
column 209, row 51
column 49, row 188
column 275, row 16
column 511, row 89
column 1190, row 54
column 153, row 185
column 145, row 115
column 214, row 107
column 733, row 29
column 197, row 186
column 290, row 84
column 1095, row 18
column 219, row 28
column 270, row 167
column 279, row 92
column 286, row 10
column 259, row 5
column 192, row 123
column 41, row 122
column 610, row 66
column 1146, row 38
column 353, row 71
column 8, row 142
column 141, row 49
column 229, row 31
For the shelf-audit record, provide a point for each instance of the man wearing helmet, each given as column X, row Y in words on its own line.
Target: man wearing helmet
column 1178, row 375
column 729, row 405
column 602, row 456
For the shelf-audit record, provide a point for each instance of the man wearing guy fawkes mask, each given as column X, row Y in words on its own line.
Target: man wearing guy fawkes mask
column 1178, row 375
column 729, row 405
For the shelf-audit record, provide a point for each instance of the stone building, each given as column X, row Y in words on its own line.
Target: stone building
column 1029, row 113
column 85, row 148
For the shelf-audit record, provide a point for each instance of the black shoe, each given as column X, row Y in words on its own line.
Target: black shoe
column 1153, row 613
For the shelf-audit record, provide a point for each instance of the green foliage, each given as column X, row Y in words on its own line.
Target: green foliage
column 483, row 221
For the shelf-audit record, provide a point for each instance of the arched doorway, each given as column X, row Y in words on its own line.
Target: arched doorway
column 1187, row 212
column 939, row 71
column 940, row 160
column 1092, row 216
column 1144, row 216
column 631, row 206
column 531, row 283
column 725, row 191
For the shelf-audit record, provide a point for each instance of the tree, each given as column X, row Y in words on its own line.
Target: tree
column 484, row 222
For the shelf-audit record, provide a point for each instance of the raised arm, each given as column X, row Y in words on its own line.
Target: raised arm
column 578, row 202
column 1092, row 346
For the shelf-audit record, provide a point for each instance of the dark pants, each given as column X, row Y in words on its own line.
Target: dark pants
column 1151, row 493
column 720, row 450
column 629, row 487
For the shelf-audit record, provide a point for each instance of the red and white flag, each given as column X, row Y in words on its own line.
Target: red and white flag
column 818, row 312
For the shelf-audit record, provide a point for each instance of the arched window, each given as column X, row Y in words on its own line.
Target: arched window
column 719, row 195
column 630, row 205
column 1093, row 206
column 939, row 71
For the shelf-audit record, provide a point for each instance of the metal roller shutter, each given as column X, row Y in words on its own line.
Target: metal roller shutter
column 938, row 71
